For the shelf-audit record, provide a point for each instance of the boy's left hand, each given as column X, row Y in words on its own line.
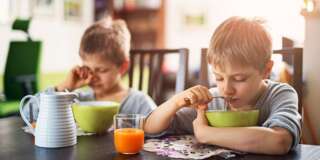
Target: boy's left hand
column 200, row 123
column 201, row 119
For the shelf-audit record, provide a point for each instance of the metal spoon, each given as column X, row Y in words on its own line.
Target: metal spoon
column 226, row 100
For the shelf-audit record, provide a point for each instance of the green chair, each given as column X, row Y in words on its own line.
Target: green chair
column 21, row 75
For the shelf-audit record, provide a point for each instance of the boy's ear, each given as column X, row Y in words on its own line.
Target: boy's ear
column 124, row 67
column 268, row 69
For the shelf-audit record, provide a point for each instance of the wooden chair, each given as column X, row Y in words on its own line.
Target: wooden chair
column 149, row 63
column 296, row 59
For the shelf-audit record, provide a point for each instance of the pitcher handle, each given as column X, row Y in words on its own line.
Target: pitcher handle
column 76, row 95
column 21, row 108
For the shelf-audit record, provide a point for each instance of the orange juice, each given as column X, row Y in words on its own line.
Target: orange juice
column 128, row 140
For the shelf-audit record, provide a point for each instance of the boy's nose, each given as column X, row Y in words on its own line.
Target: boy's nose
column 228, row 89
column 94, row 77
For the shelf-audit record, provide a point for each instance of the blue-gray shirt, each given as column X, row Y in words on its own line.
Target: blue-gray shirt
column 278, row 107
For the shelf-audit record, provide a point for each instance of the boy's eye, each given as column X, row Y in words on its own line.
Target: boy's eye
column 240, row 79
column 102, row 70
column 219, row 79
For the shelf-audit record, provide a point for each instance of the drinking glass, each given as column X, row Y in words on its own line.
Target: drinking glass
column 128, row 133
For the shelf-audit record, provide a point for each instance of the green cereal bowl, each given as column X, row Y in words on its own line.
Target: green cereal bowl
column 233, row 118
column 95, row 116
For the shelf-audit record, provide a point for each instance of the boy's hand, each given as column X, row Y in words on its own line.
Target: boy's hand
column 201, row 119
column 193, row 96
column 200, row 123
column 78, row 77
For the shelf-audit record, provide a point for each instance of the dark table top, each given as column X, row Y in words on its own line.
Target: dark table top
column 15, row 144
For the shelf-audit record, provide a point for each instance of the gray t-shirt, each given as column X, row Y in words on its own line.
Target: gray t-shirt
column 136, row 102
column 278, row 107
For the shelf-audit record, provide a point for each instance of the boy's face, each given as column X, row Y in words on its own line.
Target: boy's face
column 106, row 74
column 242, row 84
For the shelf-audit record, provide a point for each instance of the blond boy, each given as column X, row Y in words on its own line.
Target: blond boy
column 240, row 56
column 104, row 51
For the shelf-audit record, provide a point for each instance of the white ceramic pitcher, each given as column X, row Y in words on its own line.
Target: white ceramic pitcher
column 55, row 126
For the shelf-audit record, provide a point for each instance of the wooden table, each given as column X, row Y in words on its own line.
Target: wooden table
column 16, row 144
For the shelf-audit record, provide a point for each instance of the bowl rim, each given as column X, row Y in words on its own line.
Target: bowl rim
column 97, row 104
column 219, row 111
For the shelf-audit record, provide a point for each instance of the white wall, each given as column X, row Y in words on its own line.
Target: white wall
column 311, row 65
column 283, row 18
column 60, row 38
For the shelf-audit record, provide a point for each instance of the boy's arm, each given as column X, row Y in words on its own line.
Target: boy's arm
column 160, row 118
column 248, row 139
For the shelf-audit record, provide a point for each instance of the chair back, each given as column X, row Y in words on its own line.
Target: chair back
column 296, row 58
column 21, row 69
column 149, row 63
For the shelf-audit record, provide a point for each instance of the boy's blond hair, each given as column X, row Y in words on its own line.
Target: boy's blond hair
column 107, row 37
column 240, row 41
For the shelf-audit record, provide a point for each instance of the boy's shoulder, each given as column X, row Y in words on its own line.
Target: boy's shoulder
column 136, row 93
column 276, row 94
column 276, row 87
column 138, row 96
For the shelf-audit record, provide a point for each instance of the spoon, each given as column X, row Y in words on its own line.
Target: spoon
column 226, row 101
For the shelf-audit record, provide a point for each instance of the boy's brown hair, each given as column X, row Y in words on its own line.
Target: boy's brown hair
column 240, row 41
column 107, row 37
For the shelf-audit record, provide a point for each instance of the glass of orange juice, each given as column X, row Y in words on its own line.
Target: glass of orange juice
column 128, row 133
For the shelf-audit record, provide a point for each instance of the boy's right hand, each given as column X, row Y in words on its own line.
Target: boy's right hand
column 78, row 77
column 194, row 96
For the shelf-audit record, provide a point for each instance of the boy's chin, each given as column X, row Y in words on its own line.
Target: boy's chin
column 234, row 108
column 235, row 104
column 97, row 90
column 241, row 107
